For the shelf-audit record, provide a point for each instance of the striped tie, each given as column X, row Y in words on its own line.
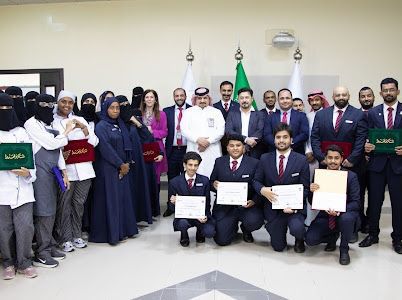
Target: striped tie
column 190, row 183
column 390, row 124
column 338, row 120
column 234, row 165
column 331, row 222
column 285, row 117
column 281, row 157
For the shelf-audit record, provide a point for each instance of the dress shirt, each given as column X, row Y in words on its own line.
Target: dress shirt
column 385, row 112
column 285, row 160
column 335, row 114
column 16, row 190
column 245, row 120
column 268, row 110
column 287, row 116
column 238, row 162
column 84, row 170
column 223, row 103
column 188, row 177
column 176, row 120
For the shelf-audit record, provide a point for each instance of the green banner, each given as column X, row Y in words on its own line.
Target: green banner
column 385, row 140
column 16, row 155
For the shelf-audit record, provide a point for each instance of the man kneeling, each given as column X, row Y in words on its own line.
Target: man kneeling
column 328, row 224
column 192, row 184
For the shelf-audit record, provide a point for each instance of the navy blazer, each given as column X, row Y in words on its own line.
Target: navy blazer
column 255, row 126
column 170, row 116
column 298, row 123
column 297, row 171
column 377, row 161
column 352, row 194
column 179, row 186
column 233, row 106
column 353, row 129
column 244, row 173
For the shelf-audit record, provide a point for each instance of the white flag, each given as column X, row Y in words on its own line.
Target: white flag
column 295, row 82
column 189, row 83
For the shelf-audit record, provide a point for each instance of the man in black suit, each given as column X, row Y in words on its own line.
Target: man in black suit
column 192, row 184
column 247, row 123
column 226, row 105
column 326, row 227
column 385, row 168
column 282, row 167
column 269, row 99
column 286, row 114
column 175, row 143
column 236, row 167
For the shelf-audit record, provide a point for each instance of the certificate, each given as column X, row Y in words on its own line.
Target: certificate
column 385, row 140
column 290, row 195
column 16, row 155
column 332, row 191
column 232, row 193
column 190, row 207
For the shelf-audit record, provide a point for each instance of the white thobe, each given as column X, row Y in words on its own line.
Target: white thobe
column 208, row 123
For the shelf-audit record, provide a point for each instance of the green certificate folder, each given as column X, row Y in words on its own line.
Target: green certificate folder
column 16, row 155
column 385, row 140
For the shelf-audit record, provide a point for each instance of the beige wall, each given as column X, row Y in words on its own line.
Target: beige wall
column 117, row 45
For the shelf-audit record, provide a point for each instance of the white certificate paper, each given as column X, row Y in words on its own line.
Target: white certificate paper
column 232, row 193
column 290, row 195
column 332, row 191
column 190, row 207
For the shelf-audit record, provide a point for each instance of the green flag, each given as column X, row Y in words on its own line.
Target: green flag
column 241, row 82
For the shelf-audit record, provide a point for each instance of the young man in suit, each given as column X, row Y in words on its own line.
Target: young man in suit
column 286, row 114
column 236, row 167
column 175, row 143
column 269, row 99
column 328, row 224
column 282, row 167
column 192, row 184
column 385, row 168
column 247, row 123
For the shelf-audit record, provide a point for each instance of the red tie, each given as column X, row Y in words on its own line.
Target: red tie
column 190, row 183
column 180, row 139
column 281, row 158
column 270, row 112
column 234, row 165
column 338, row 120
column 331, row 222
column 226, row 106
column 390, row 124
column 285, row 117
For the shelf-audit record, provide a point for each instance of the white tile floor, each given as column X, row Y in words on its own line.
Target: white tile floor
column 154, row 260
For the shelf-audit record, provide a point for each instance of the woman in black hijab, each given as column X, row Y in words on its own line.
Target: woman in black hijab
column 88, row 108
column 16, row 94
column 136, row 100
column 29, row 100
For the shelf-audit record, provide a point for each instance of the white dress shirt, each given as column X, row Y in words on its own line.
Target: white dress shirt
column 268, row 110
column 289, row 112
column 245, row 120
column 188, row 177
column 238, row 162
column 223, row 103
column 335, row 113
column 176, row 121
column 285, row 160
column 41, row 138
column 16, row 190
column 84, row 170
column 385, row 113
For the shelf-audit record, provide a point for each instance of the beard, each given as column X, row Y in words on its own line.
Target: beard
column 389, row 98
column 341, row 103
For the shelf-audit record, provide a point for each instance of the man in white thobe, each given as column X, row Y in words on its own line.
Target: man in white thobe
column 203, row 126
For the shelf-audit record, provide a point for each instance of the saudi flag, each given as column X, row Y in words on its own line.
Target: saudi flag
column 241, row 82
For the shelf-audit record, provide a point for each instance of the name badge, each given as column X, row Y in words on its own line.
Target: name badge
column 295, row 174
column 199, row 184
column 349, row 121
column 178, row 135
column 245, row 176
column 211, row 122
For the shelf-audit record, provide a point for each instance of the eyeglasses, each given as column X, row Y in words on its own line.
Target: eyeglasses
column 47, row 104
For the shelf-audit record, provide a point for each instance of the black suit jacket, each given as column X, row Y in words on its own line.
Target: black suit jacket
column 233, row 106
column 170, row 116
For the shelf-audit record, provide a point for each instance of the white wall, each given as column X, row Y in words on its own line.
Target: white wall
column 118, row 45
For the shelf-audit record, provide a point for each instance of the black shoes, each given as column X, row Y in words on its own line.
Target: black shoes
column 397, row 247
column 184, row 239
column 331, row 245
column 344, row 258
column 354, row 238
column 247, row 236
column 368, row 241
column 299, row 246
column 167, row 213
column 199, row 237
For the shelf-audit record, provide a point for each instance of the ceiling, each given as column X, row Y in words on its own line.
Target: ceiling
column 24, row 2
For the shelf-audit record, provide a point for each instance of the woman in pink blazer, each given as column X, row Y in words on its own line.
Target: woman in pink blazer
column 156, row 122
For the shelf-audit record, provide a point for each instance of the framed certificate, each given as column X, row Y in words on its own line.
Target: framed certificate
column 79, row 151
column 232, row 193
column 190, row 207
column 16, row 155
column 385, row 140
column 290, row 195
column 332, row 191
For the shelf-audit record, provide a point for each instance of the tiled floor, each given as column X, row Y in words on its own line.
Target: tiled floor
column 155, row 262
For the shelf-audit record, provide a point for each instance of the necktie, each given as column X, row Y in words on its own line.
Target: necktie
column 234, row 165
column 281, row 158
column 331, row 222
column 285, row 117
column 190, row 183
column 270, row 112
column 338, row 120
column 226, row 106
column 179, row 139
column 390, row 124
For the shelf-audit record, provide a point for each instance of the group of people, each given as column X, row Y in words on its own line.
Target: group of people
column 90, row 173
